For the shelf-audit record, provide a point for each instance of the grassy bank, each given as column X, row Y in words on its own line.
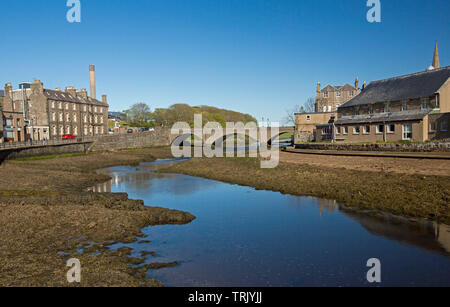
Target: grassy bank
column 48, row 217
column 402, row 194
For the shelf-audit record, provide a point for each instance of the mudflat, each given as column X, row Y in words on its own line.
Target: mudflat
column 48, row 216
column 358, row 183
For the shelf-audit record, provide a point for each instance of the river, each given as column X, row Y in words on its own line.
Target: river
column 244, row 237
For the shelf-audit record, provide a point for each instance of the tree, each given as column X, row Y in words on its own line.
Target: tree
column 139, row 115
column 308, row 107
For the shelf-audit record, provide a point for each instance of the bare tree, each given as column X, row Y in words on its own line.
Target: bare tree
column 308, row 107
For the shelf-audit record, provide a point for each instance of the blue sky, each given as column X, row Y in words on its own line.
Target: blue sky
column 254, row 56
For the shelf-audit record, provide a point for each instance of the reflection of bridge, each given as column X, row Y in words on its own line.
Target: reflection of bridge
column 218, row 137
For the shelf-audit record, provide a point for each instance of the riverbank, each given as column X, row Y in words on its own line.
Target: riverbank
column 408, row 194
column 48, row 216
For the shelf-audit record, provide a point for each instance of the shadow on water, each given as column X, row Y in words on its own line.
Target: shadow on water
column 244, row 237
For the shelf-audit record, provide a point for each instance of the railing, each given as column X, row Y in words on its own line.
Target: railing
column 15, row 145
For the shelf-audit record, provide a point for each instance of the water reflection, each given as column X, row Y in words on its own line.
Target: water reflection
column 243, row 237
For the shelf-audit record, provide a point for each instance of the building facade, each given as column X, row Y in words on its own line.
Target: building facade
column 414, row 107
column 330, row 98
column 327, row 102
column 33, row 112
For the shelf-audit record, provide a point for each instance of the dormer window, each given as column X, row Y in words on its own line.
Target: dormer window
column 386, row 108
column 424, row 104
column 404, row 106
column 325, row 94
column 338, row 94
column 370, row 109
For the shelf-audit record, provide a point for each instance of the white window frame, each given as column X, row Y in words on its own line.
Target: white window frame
column 378, row 129
column 354, row 129
column 365, row 129
column 389, row 128
column 404, row 132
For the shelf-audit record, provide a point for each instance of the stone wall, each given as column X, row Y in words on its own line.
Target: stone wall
column 43, row 151
column 414, row 147
column 157, row 138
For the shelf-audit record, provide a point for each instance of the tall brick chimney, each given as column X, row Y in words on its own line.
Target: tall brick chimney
column 92, row 79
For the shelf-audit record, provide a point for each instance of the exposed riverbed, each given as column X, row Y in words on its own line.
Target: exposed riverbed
column 244, row 237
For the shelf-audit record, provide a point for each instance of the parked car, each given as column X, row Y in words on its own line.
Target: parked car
column 68, row 137
column 130, row 130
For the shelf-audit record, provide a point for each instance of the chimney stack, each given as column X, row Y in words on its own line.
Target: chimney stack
column 92, row 80
column 357, row 83
column 83, row 93
column 104, row 100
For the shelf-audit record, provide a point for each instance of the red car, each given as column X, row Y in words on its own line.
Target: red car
column 68, row 137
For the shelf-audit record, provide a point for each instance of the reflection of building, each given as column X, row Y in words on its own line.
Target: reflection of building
column 328, row 100
column 327, row 205
column 38, row 113
column 423, row 234
column 413, row 107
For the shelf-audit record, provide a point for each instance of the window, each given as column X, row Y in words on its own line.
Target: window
column 432, row 127
column 356, row 111
column 68, row 129
column 391, row 128
column 53, row 104
column 54, row 130
column 53, row 116
column 386, row 108
column 102, row 130
column 60, row 116
column 95, row 109
column 444, row 126
column 325, row 131
column 356, row 129
column 85, row 130
column 67, row 106
column 74, row 107
column 352, row 93
column 101, row 119
column 407, row 132
column 424, row 104
column 75, row 130
column 329, row 108
column 308, row 117
column 345, row 130
column 61, row 130
column 380, row 128
column 404, row 106
column 67, row 117
column 324, row 109
column 338, row 94
column 59, row 105
column 366, row 129
column 338, row 130
column 325, row 95
column 84, row 108
column 96, row 130
column 74, row 117
column 85, row 118
column 370, row 109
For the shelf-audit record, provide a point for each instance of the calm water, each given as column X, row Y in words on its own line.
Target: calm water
column 243, row 237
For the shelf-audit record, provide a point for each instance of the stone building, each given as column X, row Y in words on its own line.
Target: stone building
column 414, row 107
column 2, row 94
column 38, row 113
column 327, row 101
column 331, row 97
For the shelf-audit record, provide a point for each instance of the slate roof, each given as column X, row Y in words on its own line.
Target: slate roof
column 64, row 96
column 331, row 88
column 383, row 117
column 418, row 85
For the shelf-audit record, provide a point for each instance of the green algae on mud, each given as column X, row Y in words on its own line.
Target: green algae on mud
column 48, row 217
column 412, row 196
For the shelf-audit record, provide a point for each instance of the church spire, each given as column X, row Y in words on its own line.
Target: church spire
column 436, row 63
